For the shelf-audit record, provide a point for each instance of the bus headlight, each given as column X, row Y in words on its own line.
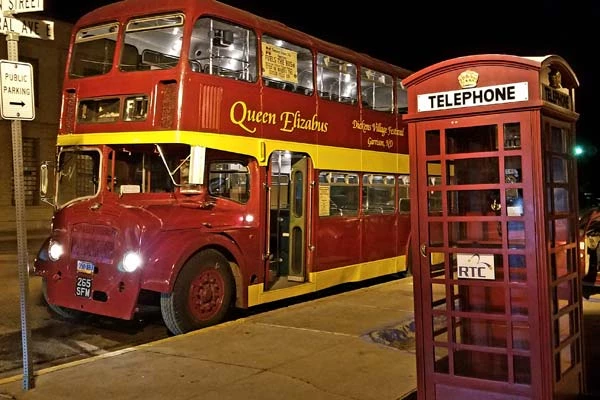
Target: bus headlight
column 131, row 261
column 55, row 251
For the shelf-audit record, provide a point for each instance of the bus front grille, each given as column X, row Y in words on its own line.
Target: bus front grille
column 94, row 243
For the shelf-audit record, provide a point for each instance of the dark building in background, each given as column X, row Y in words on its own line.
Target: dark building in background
column 48, row 58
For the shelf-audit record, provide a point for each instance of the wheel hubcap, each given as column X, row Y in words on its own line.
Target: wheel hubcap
column 206, row 294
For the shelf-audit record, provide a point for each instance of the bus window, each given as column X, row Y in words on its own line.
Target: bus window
column 404, row 194
column 287, row 66
column 229, row 179
column 336, row 79
column 338, row 194
column 379, row 194
column 376, row 90
column 93, row 50
column 152, row 43
column 222, row 49
column 401, row 98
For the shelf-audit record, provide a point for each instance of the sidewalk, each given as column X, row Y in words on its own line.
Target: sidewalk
column 357, row 345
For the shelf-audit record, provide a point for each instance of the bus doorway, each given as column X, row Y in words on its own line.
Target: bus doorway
column 287, row 179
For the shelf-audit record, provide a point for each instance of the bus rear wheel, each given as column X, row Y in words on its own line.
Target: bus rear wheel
column 202, row 295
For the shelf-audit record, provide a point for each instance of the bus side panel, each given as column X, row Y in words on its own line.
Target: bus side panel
column 379, row 237
column 337, row 242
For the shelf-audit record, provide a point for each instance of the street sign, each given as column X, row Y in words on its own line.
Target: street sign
column 16, row 82
column 21, row 6
column 33, row 28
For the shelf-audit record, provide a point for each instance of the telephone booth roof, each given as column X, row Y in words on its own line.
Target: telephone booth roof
column 485, row 70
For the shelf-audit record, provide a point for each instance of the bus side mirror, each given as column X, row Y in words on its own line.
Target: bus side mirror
column 197, row 161
column 44, row 183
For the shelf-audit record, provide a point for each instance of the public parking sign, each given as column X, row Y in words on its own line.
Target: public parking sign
column 16, row 81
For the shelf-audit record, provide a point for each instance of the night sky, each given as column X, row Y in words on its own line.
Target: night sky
column 415, row 34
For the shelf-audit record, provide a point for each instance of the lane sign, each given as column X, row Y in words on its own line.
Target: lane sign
column 16, row 83
column 21, row 6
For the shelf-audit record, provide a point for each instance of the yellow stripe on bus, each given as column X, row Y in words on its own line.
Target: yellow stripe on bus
column 324, row 279
column 323, row 157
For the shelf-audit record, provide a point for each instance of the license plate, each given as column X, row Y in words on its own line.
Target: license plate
column 83, row 287
column 85, row 272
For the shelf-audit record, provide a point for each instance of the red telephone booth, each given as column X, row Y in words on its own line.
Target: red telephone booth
column 495, row 241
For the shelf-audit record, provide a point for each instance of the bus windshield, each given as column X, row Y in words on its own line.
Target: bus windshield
column 77, row 174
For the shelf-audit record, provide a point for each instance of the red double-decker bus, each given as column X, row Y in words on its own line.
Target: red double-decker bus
column 208, row 158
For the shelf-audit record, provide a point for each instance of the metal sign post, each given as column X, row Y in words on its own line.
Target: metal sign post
column 17, row 103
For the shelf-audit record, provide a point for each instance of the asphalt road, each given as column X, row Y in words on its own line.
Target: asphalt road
column 52, row 339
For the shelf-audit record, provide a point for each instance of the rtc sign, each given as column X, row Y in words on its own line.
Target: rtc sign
column 16, row 81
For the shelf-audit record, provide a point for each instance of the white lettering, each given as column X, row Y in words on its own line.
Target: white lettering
column 473, row 97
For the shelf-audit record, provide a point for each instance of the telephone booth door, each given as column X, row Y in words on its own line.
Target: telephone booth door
column 497, row 301
column 474, row 261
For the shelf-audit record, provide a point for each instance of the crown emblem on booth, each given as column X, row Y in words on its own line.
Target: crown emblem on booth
column 468, row 79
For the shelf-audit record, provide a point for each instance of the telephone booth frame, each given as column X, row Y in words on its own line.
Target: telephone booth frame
column 497, row 280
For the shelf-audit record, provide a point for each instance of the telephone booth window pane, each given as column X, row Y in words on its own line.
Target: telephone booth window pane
column 482, row 365
column 517, row 268
column 512, row 169
column 432, row 143
column 561, row 200
column 437, row 263
column 473, row 171
column 479, row 332
column 434, row 173
column 567, row 359
column 519, row 301
column 563, row 295
column 436, row 234
column 559, row 170
column 434, row 202
column 559, row 140
column 483, row 299
column 521, row 336
column 559, row 262
column 441, row 360
column 562, row 232
column 482, row 233
column 522, row 368
column 516, row 234
column 564, row 327
column 514, row 202
column 474, row 202
column 472, row 139
column 440, row 329
column 438, row 296
column 512, row 136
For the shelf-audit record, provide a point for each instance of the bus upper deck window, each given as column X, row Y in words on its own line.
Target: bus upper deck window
column 152, row 43
column 94, row 50
column 223, row 49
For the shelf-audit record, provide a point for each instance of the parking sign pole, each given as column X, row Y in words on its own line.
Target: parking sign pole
column 12, row 44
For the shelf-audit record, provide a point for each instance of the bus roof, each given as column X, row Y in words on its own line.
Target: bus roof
column 123, row 10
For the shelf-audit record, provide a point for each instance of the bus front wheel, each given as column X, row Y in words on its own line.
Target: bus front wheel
column 202, row 295
column 63, row 312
